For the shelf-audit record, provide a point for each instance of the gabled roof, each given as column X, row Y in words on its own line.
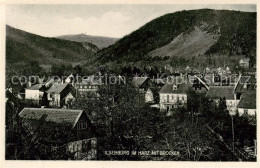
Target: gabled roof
column 60, row 116
column 138, row 81
column 182, row 86
column 216, row 92
column 49, row 81
column 57, row 88
column 244, row 59
column 250, row 80
column 35, row 87
column 248, row 101
column 68, row 95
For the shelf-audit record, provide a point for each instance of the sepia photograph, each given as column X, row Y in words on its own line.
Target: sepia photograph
column 130, row 82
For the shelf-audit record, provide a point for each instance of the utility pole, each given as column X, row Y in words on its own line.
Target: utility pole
column 233, row 134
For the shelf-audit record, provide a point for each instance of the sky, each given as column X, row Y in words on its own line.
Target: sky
column 109, row 20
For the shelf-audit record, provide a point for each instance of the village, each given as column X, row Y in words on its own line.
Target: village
column 59, row 103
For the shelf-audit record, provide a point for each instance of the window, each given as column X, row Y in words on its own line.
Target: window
column 168, row 98
column 246, row 112
column 82, row 125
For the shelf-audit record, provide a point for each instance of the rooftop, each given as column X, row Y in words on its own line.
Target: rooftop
column 182, row 86
column 138, row 81
column 249, row 80
column 248, row 101
column 35, row 87
column 53, row 115
column 216, row 92
column 57, row 88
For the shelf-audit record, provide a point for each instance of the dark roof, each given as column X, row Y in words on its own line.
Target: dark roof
column 138, row 81
column 57, row 88
column 182, row 86
column 216, row 92
column 192, row 84
column 10, row 96
column 35, row 87
column 60, row 116
column 248, row 101
column 249, row 80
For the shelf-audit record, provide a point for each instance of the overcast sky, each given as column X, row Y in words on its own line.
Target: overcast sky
column 102, row 20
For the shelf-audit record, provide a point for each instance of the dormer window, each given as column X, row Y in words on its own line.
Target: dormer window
column 174, row 87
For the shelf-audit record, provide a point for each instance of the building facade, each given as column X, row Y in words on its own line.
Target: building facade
column 173, row 94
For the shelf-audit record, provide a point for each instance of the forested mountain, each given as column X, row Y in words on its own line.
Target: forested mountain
column 187, row 38
column 99, row 41
column 24, row 47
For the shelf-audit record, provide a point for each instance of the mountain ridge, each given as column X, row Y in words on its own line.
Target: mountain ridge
column 22, row 46
column 100, row 41
column 234, row 38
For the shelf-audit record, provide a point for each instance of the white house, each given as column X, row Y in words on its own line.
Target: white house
column 227, row 92
column 34, row 93
column 173, row 94
column 58, row 94
column 247, row 105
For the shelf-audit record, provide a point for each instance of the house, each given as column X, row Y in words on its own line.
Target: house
column 247, row 104
column 244, row 62
column 245, row 84
column 35, row 93
column 88, row 87
column 78, row 133
column 227, row 92
column 69, row 99
column 214, row 79
column 59, row 94
column 198, row 84
column 144, row 85
column 173, row 94
column 149, row 96
column 246, row 91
